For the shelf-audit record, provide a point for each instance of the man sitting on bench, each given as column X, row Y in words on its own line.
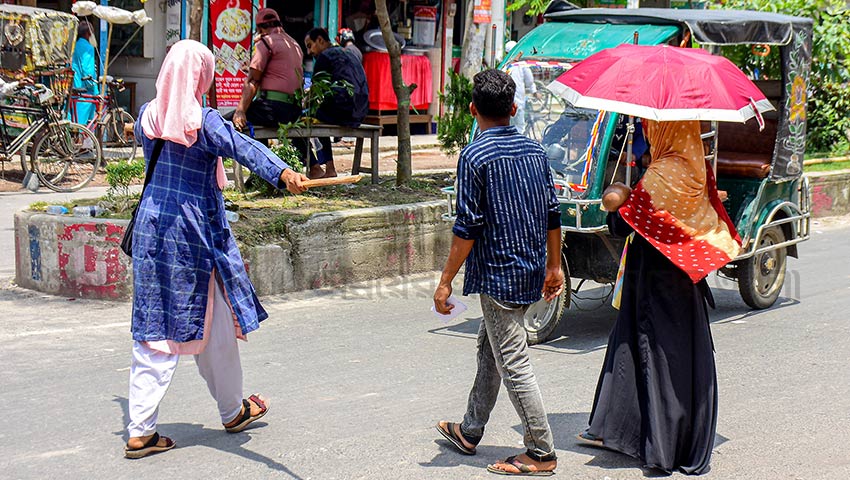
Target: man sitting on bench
column 347, row 107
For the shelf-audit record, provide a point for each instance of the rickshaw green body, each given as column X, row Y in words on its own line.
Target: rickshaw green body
column 770, row 207
column 753, row 203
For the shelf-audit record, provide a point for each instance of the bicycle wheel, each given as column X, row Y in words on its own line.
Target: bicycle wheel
column 116, row 136
column 66, row 158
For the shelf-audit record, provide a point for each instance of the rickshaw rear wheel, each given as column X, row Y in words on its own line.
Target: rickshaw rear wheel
column 761, row 277
column 543, row 318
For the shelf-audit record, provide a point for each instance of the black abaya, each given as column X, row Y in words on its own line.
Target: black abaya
column 656, row 399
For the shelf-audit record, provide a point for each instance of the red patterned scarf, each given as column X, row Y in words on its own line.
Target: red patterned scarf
column 675, row 206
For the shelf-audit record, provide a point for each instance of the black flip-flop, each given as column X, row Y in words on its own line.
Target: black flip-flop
column 149, row 448
column 524, row 470
column 456, row 441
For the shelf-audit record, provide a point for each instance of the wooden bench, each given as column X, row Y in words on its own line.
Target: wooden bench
column 372, row 132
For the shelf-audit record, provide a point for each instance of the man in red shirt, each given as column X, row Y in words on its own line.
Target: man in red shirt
column 275, row 74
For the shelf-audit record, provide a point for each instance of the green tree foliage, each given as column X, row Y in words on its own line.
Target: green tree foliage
column 829, row 93
column 454, row 126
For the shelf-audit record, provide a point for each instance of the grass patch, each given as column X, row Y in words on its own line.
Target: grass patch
column 263, row 220
column 827, row 166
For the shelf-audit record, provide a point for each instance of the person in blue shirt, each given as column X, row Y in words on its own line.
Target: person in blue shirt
column 85, row 72
column 508, row 232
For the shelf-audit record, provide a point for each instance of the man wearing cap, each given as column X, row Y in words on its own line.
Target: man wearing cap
column 275, row 74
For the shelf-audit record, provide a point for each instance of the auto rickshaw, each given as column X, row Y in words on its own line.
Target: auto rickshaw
column 760, row 171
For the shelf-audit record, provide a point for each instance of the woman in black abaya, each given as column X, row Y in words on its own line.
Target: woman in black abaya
column 656, row 399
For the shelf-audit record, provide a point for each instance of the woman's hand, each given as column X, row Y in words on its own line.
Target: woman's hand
column 293, row 180
column 615, row 196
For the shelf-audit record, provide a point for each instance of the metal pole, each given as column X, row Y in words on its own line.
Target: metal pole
column 493, row 46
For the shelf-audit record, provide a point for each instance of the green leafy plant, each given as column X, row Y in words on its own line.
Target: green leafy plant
column 454, row 126
column 322, row 88
column 828, row 102
column 120, row 176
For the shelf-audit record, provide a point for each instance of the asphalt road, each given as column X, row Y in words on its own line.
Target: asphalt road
column 358, row 377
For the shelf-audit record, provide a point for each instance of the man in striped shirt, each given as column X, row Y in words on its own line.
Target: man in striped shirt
column 509, row 234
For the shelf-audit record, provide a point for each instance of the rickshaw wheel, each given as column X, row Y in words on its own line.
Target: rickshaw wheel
column 542, row 319
column 762, row 276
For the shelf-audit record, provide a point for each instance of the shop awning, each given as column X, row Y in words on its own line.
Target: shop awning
column 577, row 41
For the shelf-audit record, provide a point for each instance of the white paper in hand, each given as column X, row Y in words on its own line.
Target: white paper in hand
column 460, row 307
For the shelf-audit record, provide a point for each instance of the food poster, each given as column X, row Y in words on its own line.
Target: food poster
column 231, row 25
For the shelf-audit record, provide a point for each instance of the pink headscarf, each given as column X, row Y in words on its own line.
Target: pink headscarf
column 176, row 114
column 186, row 75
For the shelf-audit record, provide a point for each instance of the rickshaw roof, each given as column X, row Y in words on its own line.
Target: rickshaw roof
column 33, row 12
column 581, row 40
column 709, row 27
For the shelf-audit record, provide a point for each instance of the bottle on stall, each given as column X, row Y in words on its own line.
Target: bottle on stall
column 88, row 211
column 56, row 210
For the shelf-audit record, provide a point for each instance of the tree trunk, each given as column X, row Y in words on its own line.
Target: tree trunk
column 196, row 15
column 474, row 37
column 402, row 93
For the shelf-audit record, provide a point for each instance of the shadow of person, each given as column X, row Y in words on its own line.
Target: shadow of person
column 192, row 434
column 450, row 457
column 565, row 427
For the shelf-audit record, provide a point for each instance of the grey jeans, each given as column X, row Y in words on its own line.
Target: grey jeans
column 503, row 354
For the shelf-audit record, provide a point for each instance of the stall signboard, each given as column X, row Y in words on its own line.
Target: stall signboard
column 481, row 12
column 424, row 25
column 231, row 25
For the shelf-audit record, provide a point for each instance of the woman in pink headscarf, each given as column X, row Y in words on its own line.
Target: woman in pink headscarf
column 192, row 295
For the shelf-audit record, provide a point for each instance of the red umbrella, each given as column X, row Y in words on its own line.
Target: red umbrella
column 662, row 83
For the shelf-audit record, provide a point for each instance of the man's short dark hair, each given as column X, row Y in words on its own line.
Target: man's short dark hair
column 83, row 29
column 317, row 33
column 493, row 93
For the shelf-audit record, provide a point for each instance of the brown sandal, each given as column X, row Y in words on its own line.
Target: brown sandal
column 523, row 470
column 245, row 418
column 149, row 448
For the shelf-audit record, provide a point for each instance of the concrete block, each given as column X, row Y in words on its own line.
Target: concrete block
column 830, row 193
column 270, row 268
column 72, row 256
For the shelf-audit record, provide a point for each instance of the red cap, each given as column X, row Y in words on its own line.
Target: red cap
column 266, row 15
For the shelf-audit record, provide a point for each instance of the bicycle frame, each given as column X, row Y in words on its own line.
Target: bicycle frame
column 104, row 104
column 42, row 119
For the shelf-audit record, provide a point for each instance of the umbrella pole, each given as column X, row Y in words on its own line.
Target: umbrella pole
column 630, row 133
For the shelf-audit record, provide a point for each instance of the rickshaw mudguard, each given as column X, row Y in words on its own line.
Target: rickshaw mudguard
column 778, row 204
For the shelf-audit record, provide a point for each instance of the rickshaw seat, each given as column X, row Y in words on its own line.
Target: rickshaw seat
column 741, row 164
column 743, row 150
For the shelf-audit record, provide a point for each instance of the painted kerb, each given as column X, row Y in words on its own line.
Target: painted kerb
column 73, row 257
column 76, row 257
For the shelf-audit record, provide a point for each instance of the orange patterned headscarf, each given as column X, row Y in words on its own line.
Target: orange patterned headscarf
column 675, row 206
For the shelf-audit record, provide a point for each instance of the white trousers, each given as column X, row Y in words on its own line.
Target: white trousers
column 218, row 364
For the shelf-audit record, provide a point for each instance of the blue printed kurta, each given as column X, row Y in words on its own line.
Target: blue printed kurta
column 181, row 234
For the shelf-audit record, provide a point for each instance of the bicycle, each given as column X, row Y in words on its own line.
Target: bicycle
column 112, row 124
column 64, row 155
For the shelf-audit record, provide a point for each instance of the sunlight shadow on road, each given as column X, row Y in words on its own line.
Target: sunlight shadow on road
column 190, row 435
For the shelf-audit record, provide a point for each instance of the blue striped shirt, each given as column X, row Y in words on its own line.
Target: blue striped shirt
column 506, row 203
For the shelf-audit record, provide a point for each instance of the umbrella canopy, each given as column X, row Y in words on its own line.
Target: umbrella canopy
column 663, row 83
